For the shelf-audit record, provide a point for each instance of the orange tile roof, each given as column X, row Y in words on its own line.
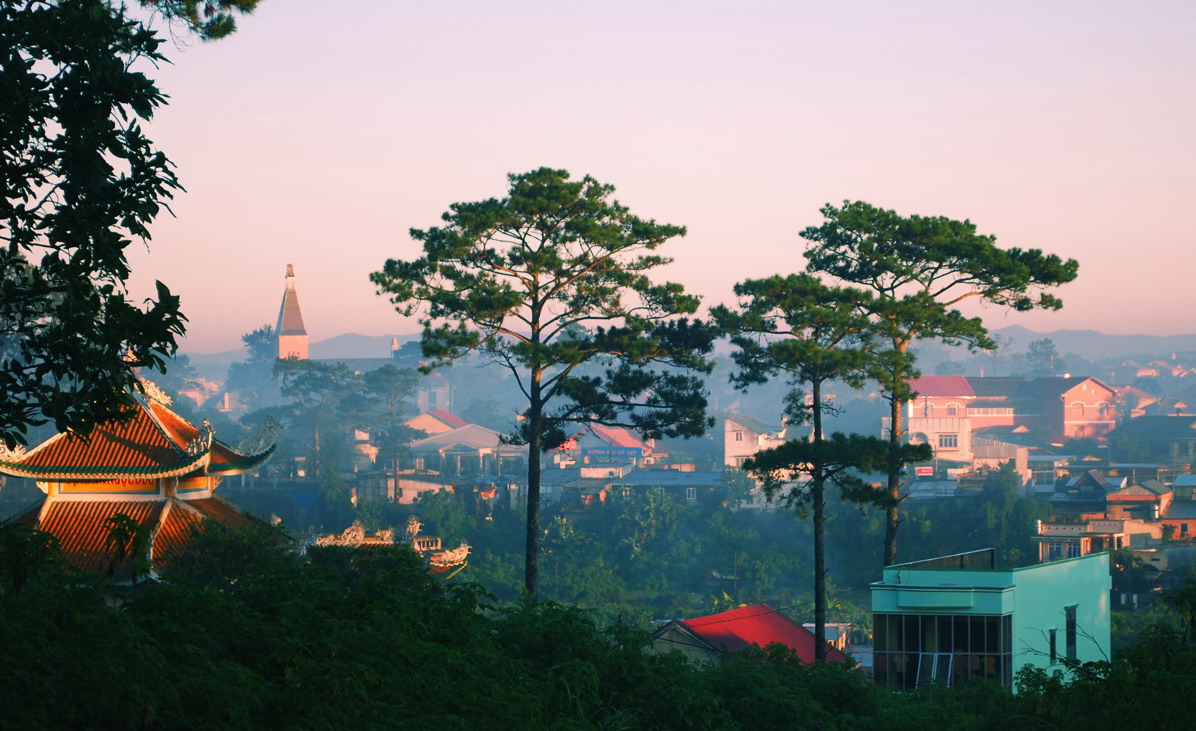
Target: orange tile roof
column 221, row 511
column 174, row 533
column 81, row 530
column 152, row 443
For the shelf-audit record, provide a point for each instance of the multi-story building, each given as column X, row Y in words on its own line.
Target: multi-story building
column 958, row 617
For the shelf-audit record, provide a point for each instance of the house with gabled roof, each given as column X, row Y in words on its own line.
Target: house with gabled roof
column 155, row 473
column 950, row 412
column 468, row 449
column 437, row 421
column 746, row 436
column 706, row 639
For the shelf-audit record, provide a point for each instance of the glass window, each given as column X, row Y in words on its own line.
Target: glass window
column 1070, row 631
column 948, row 441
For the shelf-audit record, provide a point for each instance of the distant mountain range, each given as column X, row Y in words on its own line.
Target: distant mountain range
column 1089, row 344
column 1095, row 345
column 347, row 345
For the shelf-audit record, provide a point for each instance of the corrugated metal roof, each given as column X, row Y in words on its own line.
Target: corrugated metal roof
column 759, row 625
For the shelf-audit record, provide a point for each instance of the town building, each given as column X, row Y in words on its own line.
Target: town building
column 957, row 414
column 705, row 639
column 123, row 499
column 291, row 334
column 949, row 619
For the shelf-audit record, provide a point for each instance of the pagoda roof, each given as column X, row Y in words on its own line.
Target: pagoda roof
column 154, row 442
column 82, row 527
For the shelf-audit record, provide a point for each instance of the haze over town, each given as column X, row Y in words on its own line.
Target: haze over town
column 325, row 131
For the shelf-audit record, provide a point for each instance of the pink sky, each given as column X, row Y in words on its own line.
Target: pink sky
column 321, row 132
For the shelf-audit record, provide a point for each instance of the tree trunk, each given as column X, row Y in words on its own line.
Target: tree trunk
column 817, row 499
column 532, row 547
column 896, row 432
column 893, row 509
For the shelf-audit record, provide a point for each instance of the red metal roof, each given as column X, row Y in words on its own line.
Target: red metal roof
column 759, row 625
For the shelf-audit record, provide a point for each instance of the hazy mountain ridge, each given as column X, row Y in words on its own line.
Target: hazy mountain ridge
column 1095, row 345
column 1091, row 344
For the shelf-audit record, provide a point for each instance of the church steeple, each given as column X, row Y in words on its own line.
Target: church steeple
column 292, row 336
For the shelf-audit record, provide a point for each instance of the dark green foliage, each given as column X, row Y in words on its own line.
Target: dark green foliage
column 252, row 379
column 552, row 283
column 80, row 182
column 920, row 268
column 248, row 633
column 208, row 19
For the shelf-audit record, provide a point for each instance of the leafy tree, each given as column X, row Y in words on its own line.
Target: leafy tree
column 81, row 182
column 253, row 378
column 552, row 284
column 835, row 460
column 208, row 19
column 919, row 269
column 323, row 395
column 798, row 327
column 388, row 396
column 1042, row 359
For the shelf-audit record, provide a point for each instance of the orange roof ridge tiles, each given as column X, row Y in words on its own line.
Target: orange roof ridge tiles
column 152, row 444
column 80, row 527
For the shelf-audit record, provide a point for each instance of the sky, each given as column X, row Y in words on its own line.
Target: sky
column 321, row 132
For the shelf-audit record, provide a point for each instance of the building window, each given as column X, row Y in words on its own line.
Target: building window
column 1103, row 408
column 691, row 494
column 1070, row 632
column 1054, row 646
column 739, row 436
column 913, row 650
column 952, row 409
column 948, row 441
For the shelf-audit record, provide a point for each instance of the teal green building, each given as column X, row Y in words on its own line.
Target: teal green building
column 956, row 617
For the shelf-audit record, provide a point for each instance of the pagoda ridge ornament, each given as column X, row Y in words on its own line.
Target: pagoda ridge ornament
column 154, row 392
column 13, row 454
column 202, row 441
